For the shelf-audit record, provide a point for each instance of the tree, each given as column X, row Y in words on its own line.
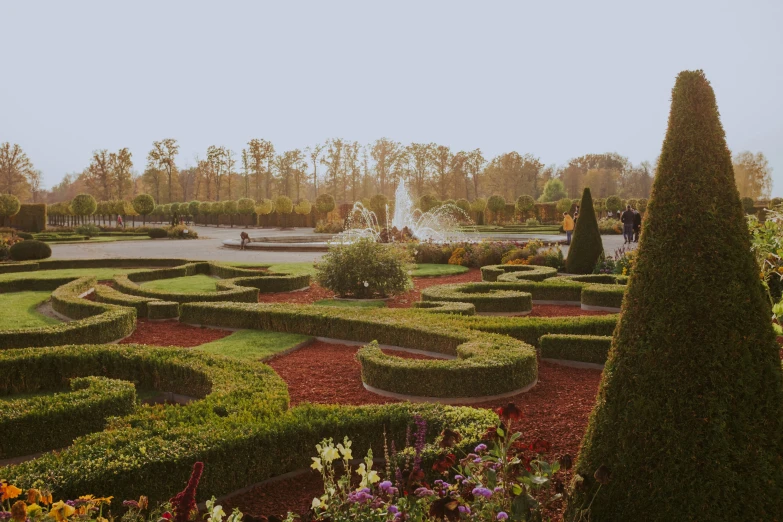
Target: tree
column 143, row 204
column 303, row 208
column 284, row 206
column 230, row 209
column 246, row 207
column 314, row 153
column 512, row 174
column 420, row 165
column 388, row 156
column 35, row 181
column 564, row 205
column 525, row 204
column 84, row 205
column 752, row 174
column 216, row 157
column 614, row 203
column 379, row 204
column 496, row 204
column 230, row 163
column 162, row 159
column 441, row 158
column 99, row 177
column 324, row 204
column 193, row 209
column 333, row 161
column 260, row 152
column 121, row 163
column 474, row 165
column 642, row 205
column 15, row 170
column 554, row 190
column 9, row 206
column 586, row 246
column 689, row 404
column 205, row 209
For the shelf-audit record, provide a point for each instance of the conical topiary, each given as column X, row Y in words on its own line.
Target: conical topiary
column 586, row 246
column 688, row 423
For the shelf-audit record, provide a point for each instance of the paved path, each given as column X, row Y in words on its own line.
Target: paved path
column 209, row 247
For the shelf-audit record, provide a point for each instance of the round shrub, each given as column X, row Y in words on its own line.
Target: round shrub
column 324, row 203
column 84, row 205
column 9, row 206
column 24, row 235
column 143, row 204
column 365, row 269
column 30, row 250
column 157, row 233
column 88, row 230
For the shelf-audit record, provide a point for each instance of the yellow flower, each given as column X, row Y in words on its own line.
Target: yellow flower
column 33, row 495
column 330, row 454
column 107, row 500
column 8, row 491
column 34, row 510
column 143, row 502
column 346, row 451
column 316, row 503
column 61, row 511
column 316, row 464
column 19, row 511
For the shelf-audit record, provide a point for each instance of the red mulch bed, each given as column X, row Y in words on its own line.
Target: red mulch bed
column 172, row 333
column 556, row 410
column 562, row 311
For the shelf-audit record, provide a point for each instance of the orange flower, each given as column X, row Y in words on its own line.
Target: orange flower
column 8, row 491
column 19, row 511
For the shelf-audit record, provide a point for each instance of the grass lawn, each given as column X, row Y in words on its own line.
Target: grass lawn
column 435, row 270
column 102, row 274
column 369, row 303
column 253, row 344
column 101, row 239
column 19, row 310
column 290, row 268
column 185, row 285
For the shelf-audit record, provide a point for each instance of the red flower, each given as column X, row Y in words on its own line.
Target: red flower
column 509, row 412
column 450, row 438
column 184, row 502
column 166, row 515
column 445, row 463
column 540, row 446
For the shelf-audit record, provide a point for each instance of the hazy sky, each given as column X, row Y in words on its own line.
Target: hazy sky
column 556, row 79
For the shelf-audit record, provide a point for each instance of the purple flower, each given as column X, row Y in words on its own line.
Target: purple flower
column 464, row 509
column 502, row 516
column 477, row 460
column 458, row 477
column 480, row 448
column 499, row 489
column 385, row 486
column 393, row 509
column 423, row 492
column 484, row 492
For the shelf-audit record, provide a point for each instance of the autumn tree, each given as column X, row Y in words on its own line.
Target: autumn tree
column 512, row 175
column 440, row 157
column 333, row 160
column 554, row 190
column 216, row 157
column 162, row 159
column 260, row 152
column 99, row 176
column 15, row 170
column 388, row 156
column 121, row 164
column 475, row 165
column 420, row 165
column 752, row 174
column 314, row 153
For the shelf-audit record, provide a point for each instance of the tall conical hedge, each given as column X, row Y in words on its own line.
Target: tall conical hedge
column 586, row 246
column 688, row 423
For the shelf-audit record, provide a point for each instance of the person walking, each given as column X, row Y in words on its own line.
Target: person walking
column 627, row 220
column 120, row 223
column 576, row 214
column 637, row 225
column 568, row 226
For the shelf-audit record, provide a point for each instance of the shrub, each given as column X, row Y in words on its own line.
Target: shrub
column 24, row 235
column 496, row 204
column 532, row 222
column 30, row 250
column 143, row 204
column 324, row 203
column 586, row 247
column 9, row 206
column 323, row 227
column 748, row 205
column 610, row 226
column 181, row 232
column 525, row 204
column 88, row 230
column 84, row 205
column 614, row 203
column 581, row 348
column 486, row 297
column 692, row 395
column 157, row 233
column 364, row 269
column 30, row 218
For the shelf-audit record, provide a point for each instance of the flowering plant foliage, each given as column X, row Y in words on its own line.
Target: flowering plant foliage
column 501, row 479
column 621, row 262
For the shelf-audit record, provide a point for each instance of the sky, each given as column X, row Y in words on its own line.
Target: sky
column 554, row 79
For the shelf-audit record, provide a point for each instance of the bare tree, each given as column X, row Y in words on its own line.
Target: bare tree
column 315, row 152
column 15, row 170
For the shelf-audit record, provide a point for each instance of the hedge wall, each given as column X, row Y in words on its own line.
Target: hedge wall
column 530, row 329
column 31, row 217
column 480, row 357
column 582, row 348
column 238, row 425
column 486, row 297
column 608, row 296
column 444, row 307
column 521, row 272
column 47, row 422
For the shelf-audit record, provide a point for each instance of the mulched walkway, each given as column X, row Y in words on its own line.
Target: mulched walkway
column 172, row 333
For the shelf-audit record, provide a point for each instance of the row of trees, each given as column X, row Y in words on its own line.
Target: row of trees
column 349, row 172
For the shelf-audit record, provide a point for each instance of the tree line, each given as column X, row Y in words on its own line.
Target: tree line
column 349, row 171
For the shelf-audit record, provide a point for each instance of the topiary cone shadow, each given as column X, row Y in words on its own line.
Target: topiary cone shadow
column 688, row 423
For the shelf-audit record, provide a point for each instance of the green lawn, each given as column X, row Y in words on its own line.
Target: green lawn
column 253, row 344
column 102, row 274
column 19, row 310
column 101, row 239
column 352, row 304
column 435, row 270
column 291, row 268
column 184, row 285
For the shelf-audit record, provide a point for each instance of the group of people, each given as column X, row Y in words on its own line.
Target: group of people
column 630, row 218
column 632, row 224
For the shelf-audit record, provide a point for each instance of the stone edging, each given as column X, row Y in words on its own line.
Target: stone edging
column 574, row 364
column 600, row 308
column 505, row 314
column 446, row 400
column 556, row 303
column 434, row 355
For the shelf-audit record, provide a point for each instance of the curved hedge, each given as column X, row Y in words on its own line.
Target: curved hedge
column 47, row 422
column 604, row 296
column 481, row 357
column 444, row 307
column 486, row 297
column 492, row 273
column 95, row 322
column 238, row 424
column 582, row 348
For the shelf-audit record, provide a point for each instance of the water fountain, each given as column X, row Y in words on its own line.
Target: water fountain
column 440, row 225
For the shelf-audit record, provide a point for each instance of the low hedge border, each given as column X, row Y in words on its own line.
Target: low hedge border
column 50, row 422
column 94, row 322
column 582, row 348
column 107, row 294
column 486, row 297
column 444, row 307
column 601, row 279
column 481, row 357
column 238, row 425
column 25, row 266
column 162, row 310
column 531, row 329
column 603, row 296
column 491, row 273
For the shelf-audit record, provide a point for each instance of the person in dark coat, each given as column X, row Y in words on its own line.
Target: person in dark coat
column 637, row 225
column 627, row 220
column 244, row 239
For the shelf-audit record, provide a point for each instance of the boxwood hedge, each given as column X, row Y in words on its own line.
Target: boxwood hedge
column 581, row 348
column 486, row 297
column 46, row 422
column 604, row 296
column 444, row 307
column 492, row 273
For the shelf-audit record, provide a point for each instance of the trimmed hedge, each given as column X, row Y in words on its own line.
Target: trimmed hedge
column 582, row 348
column 107, row 294
column 481, row 357
column 30, row 250
column 531, row 329
column 586, row 246
column 50, row 422
column 157, row 233
column 238, row 425
column 162, row 310
column 609, row 296
column 8, row 268
column 98, row 323
column 30, row 218
column 492, row 273
column 444, row 307
column 486, row 297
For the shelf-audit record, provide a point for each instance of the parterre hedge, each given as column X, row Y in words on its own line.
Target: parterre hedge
column 162, row 310
column 607, row 296
column 531, row 329
column 481, row 357
column 47, row 422
column 444, row 307
column 107, row 294
column 492, row 273
column 238, row 424
column 486, row 297
column 582, row 348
